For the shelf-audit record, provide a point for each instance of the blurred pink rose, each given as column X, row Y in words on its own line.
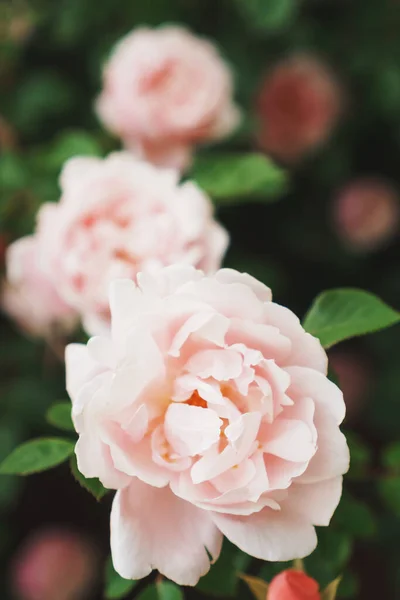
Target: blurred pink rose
column 209, row 410
column 354, row 374
column 297, row 106
column 118, row 216
column 293, row 585
column 366, row 214
column 54, row 565
column 164, row 91
column 29, row 296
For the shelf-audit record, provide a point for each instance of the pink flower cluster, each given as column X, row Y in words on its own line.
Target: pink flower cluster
column 166, row 90
column 208, row 408
column 201, row 401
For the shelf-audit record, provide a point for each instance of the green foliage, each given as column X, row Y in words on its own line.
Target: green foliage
column 390, row 492
column 41, row 96
column 355, row 517
column 115, row 586
column 68, row 144
column 391, row 457
column 149, row 593
column 236, row 178
column 360, row 455
column 268, row 15
column 169, row 591
column 59, row 415
column 36, row 456
column 222, row 579
column 91, row 485
column 338, row 315
column 13, row 174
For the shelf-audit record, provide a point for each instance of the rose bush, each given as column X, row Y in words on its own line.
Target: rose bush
column 166, row 90
column 208, row 408
column 118, row 216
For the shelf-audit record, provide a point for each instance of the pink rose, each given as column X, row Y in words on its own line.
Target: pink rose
column 293, row 585
column 164, row 91
column 297, row 106
column 29, row 296
column 366, row 214
column 356, row 378
column 54, row 565
column 116, row 217
column 209, row 410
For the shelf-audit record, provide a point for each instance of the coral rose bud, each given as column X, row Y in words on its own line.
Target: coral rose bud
column 366, row 214
column 208, row 408
column 293, row 585
column 29, row 296
column 118, row 216
column 298, row 106
column 54, row 565
column 165, row 90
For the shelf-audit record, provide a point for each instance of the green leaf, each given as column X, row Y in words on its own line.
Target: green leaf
column 59, row 415
column 91, row 485
column 355, row 517
column 150, row 593
column 68, row 144
column 169, row 591
column 116, row 586
column 268, row 15
column 391, row 457
column 41, row 96
column 360, row 456
column 330, row 591
column 257, row 586
column 340, row 314
column 222, row 578
column 37, row 455
column 13, row 174
column 230, row 178
column 390, row 492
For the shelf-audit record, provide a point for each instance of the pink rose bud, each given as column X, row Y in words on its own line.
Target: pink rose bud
column 293, row 585
column 298, row 106
column 366, row 214
column 54, row 565
column 164, row 91
column 118, row 216
column 208, row 408
column 29, row 296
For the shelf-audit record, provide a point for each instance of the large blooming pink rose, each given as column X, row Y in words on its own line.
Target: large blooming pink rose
column 209, row 410
column 116, row 217
column 29, row 296
column 293, row 585
column 164, row 91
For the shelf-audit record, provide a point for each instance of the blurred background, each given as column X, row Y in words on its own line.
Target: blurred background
column 319, row 85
